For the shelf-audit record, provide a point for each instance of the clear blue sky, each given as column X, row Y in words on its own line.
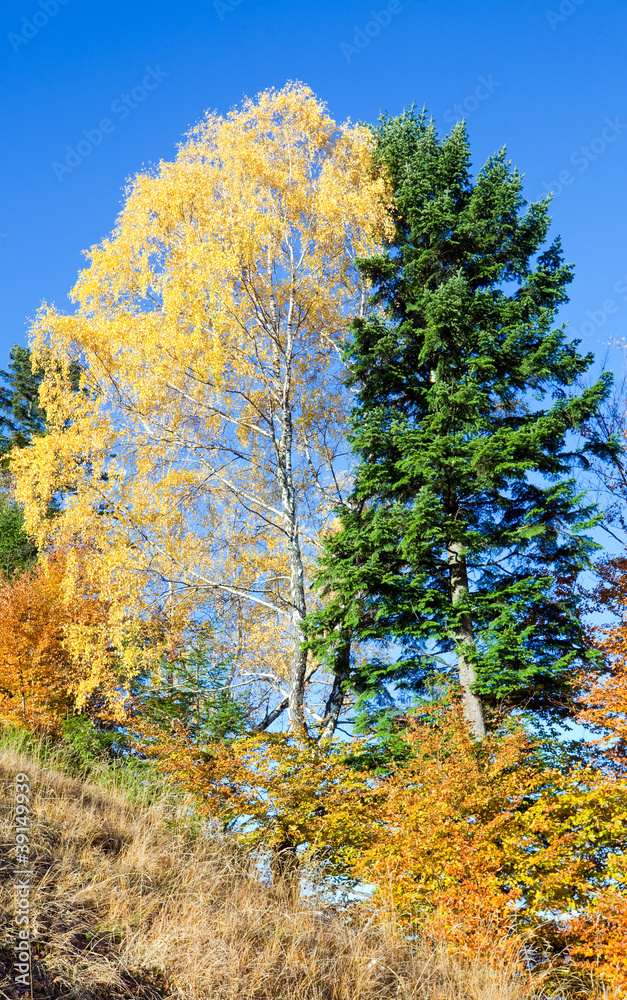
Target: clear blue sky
column 545, row 77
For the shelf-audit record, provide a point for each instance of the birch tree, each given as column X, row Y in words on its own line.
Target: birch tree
column 206, row 451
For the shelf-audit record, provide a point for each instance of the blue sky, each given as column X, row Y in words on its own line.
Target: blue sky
column 544, row 77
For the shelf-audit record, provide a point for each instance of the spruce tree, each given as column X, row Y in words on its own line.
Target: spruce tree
column 465, row 532
column 21, row 417
column 20, row 412
column 17, row 552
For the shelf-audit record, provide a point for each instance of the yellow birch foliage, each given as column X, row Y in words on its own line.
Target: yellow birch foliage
column 206, row 450
column 41, row 619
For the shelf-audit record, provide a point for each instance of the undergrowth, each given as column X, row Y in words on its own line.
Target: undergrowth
column 133, row 896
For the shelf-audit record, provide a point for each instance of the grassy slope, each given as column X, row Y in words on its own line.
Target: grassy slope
column 130, row 900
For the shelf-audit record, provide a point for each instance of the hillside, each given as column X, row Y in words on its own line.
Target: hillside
column 130, row 899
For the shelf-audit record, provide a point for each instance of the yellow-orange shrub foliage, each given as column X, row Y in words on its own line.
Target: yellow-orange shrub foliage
column 41, row 680
column 473, row 845
column 291, row 793
column 485, row 841
column 446, row 824
column 598, row 933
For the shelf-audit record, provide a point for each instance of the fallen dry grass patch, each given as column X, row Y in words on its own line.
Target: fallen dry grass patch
column 130, row 899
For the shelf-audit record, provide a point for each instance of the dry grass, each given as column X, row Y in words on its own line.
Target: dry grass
column 130, row 901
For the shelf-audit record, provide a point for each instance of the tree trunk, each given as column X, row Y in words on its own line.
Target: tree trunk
column 298, row 667
column 335, row 700
column 284, row 865
column 465, row 640
column 170, row 652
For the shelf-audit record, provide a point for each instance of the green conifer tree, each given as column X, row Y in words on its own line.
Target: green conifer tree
column 20, row 412
column 17, row 552
column 21, row 417
column 465, row 533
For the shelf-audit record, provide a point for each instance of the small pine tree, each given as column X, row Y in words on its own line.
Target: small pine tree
column 193, row 692
column 465, row 533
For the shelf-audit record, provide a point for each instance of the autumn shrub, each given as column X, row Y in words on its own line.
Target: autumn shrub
column 502, row 840
column 447, row 817
column 300, row 796
column 50, row 624
column 598, row 932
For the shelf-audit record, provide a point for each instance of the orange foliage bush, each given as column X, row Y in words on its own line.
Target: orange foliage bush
column 288, row 792
column 471, row 844
column 598, row 933
column 447, row 823
column 43, row 614
column 492, row 842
